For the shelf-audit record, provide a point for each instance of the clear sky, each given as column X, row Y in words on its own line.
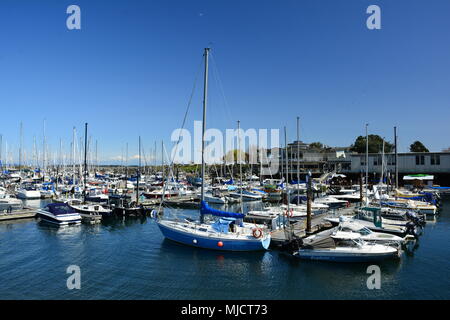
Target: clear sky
column 130, row 70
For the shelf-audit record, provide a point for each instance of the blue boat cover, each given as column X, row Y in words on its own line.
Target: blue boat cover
column 59, row 208
column 229, row 182
column 222, row 225
column 205, row 209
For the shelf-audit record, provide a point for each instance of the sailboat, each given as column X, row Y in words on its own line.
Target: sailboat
column 228, row 232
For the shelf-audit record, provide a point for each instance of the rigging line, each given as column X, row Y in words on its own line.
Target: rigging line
column 182, row 127
column 220, row 86
column 187, row 111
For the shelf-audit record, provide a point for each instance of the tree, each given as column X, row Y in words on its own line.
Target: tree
column 418, row 146
column 236, row 155
column 375, row 144
column 316, row 145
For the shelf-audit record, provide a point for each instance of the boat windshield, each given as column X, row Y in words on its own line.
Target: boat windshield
column 365, row 231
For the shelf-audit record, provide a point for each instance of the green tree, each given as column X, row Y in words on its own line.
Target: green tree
column 418, row 146
column 316, row 145
column 375, row 144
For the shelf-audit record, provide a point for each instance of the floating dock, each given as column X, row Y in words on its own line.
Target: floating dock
column 24, row 213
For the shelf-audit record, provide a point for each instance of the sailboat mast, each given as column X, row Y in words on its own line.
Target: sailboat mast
column 298, row 161
column 20, row 149
column 396, row 158
column 138, row 172
column 73, row 156
column 240, row 163
column 367, row 164
column 287, row 167
column 85, row 159
column 205, row 97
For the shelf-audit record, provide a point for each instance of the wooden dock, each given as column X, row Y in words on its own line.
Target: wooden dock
column 298, row 230
column 24, row 213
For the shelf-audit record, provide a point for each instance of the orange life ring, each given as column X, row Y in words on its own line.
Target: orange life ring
column 257, row 233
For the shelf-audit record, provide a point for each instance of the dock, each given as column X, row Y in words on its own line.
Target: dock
column 280, row 236
column 24, row 213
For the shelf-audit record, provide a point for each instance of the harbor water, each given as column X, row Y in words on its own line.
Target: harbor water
column 130, row 259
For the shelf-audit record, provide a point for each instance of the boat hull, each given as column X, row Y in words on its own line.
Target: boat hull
column 342, row 257
column 213, row 242
column 59, row 220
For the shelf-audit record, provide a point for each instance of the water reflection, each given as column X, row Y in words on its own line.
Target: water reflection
column 53, row 229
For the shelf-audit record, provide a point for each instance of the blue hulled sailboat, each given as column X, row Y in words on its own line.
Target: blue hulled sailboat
column 228, row 232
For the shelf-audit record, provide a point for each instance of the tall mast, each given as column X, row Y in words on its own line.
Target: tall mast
column 43, row 152
column 205, row 97
column 162, row 162
column 138, row 172
column 155, row 169
column 287, row 175
column 96, row 156
column 287, row 168
column 126, row 167
column 73, row 156
column 1, row 149
column 240, row 163
column 20, row 149
column 85, row 159
column 298, row 160
column 396, row 158
column 367, row 164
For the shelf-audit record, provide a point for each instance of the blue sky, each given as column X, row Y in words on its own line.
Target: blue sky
column 130, row 70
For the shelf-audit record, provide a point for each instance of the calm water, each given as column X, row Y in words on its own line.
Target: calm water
column 131, row 260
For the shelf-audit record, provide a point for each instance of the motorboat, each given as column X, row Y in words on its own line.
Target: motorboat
column 214, row 197
column 97, row 195
column 28, row 192
column 89, row 211
column 122, row 205
column 332, row 202
column 351, row 229
column 9, row 204
column 247, row 195
column 59, row 214
column 324, row 247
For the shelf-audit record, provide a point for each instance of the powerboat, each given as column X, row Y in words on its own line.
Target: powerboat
column 89, row 210
column 9, row 204
column 59, row 214
column 28, row 192
column 324, row 247
column 350, row 229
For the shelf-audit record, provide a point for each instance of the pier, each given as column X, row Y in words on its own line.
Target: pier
column 24, row 213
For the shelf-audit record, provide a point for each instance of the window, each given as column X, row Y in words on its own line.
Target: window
column 363, row 161
column 420, row 160
column 377, row 161
column 391, row 160
column 435, row 159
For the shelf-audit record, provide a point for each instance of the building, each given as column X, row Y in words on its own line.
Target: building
column 342, row 160
column 434, row 163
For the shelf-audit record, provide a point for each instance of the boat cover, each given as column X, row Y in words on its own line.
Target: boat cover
column 59, row 208
column 321, row 240
column 205, row 209
column 222, row 224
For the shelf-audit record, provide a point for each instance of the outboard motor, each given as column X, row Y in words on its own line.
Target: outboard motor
column 412, row 216
column 411, row 229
